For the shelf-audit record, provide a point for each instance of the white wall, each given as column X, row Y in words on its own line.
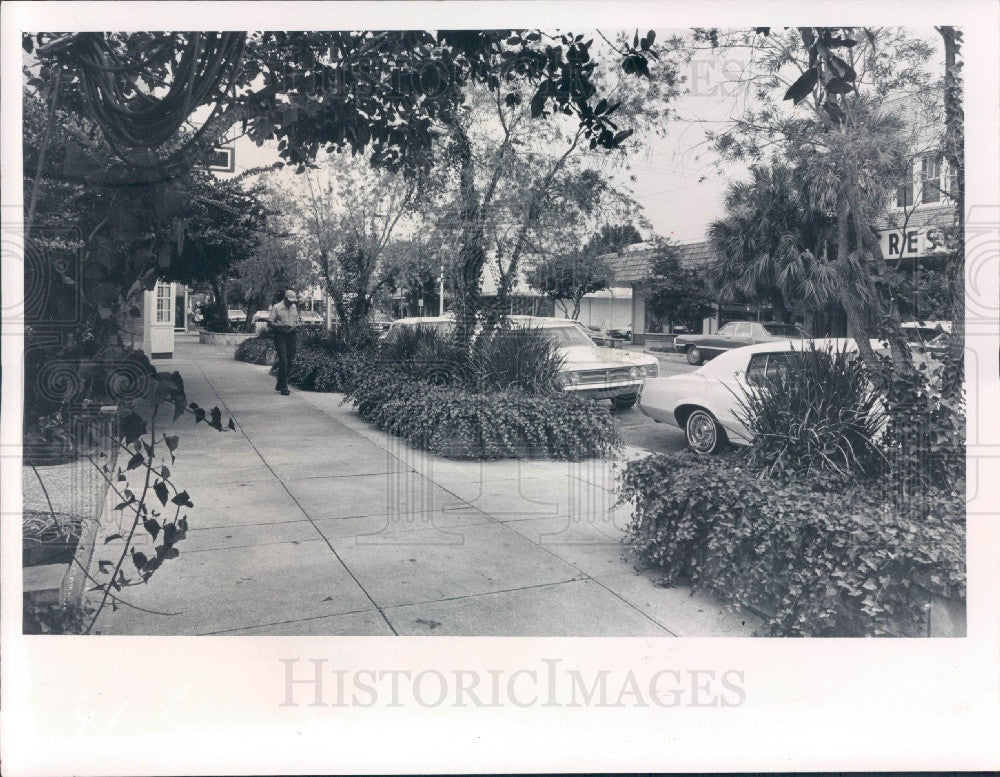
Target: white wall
column 608, row 309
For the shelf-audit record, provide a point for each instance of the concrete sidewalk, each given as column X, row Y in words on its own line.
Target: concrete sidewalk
column 306, row 521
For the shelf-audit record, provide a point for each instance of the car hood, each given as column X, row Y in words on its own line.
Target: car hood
column 582, row 357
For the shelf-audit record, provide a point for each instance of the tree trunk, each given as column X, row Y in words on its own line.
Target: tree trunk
column 472, row 248
column 954, row 153
column 221, row 307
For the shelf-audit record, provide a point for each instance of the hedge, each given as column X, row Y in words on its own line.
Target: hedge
column 316, row 369
column 814, row 561
column 257, row 350
column 456, row 422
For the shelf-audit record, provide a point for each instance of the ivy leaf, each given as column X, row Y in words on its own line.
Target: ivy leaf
column 132, row 426
column 182, row 498
column 803, row 87
column 111, row 538
column 538, row 101
column 160, row 488
column 232, row 424
column 152, row 526
column 135, row 461
column 171, row 442
column 621, row 136
column 839, row 86
column 139, row 559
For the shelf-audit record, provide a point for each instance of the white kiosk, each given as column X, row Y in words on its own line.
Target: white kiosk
column 158, row 321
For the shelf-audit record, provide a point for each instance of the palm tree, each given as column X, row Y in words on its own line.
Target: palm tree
column 770, row 245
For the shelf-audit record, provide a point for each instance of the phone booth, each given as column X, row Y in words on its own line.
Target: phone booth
column 158, row 321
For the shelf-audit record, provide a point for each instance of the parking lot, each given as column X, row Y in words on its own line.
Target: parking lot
column 640, row 431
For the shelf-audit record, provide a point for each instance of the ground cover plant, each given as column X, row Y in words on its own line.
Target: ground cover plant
column 495, row 397
column 826, row 524
column 814, row 561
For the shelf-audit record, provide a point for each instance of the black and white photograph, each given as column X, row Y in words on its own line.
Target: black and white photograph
column 645, row 331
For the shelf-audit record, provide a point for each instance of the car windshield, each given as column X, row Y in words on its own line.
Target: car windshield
column 566, row 336
column 781, row 330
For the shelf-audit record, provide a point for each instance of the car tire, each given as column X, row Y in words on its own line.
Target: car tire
column 694, row 355
column 705, row 436
column 624, row 403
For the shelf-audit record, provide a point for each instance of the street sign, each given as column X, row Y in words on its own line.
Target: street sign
column 915, row 243
column 222, row 159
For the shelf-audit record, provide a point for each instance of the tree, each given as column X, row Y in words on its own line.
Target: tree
column 769, row 241
column 415, row 266
column 349, row 214
column 954, row 153
column 569, row 276
column 377, row 92
column 849, row 149
column 363, row 91
column 275, row 264
column 677, row 295
column 223, row 224
column 614, row 237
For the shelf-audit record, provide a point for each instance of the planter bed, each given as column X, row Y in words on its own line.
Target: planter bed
column 56, row 553
column 224, row 338
column 810, row 559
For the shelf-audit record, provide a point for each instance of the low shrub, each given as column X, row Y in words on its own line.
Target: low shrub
column 316, row 368
column 522, row 358
column 814, row 411
column 457, row 422
column 444, row 396
column 816, row 561
column 257, row 350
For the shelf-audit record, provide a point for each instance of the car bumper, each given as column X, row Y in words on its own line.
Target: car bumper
column 605, row 390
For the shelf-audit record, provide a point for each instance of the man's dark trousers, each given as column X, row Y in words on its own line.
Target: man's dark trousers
column 284, row 343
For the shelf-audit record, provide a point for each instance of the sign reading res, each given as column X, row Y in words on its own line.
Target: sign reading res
column 923, row 241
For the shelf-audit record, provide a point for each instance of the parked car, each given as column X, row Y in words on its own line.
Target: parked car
column 598, row 335
column 588, row 369
column 620, row 334
column 311, row 319
column 381, row 322
column 236, row 315
column 735, row 334
column 704, row 403
column 443, row 325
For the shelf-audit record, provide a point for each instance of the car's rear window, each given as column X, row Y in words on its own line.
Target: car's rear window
column 781, row 330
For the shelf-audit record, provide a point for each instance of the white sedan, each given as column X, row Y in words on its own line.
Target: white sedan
column 704, row 403
column 590, row 370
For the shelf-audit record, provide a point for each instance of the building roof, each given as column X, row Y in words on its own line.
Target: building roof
column 635, row 263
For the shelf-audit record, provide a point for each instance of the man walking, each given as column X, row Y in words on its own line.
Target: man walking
column 284, row 322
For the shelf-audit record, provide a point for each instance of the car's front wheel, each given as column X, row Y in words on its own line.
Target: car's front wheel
column 704, row 434
column 624, row 403
column 694, row 355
